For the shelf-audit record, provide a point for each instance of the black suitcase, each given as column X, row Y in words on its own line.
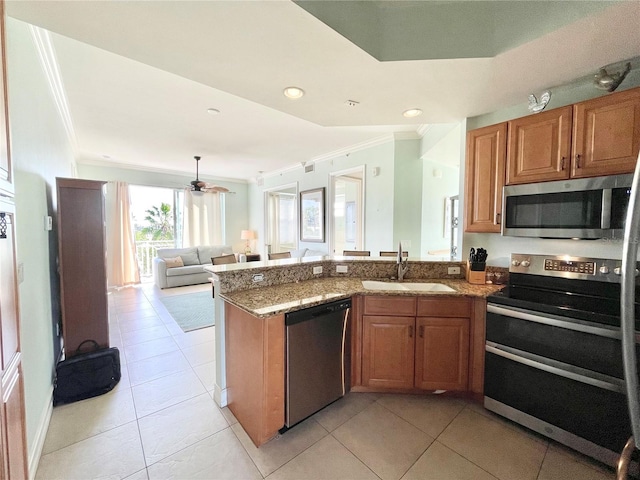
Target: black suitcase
column 87, row 374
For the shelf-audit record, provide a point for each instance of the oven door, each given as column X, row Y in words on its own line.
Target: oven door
column 558, row 376
column 563, row 402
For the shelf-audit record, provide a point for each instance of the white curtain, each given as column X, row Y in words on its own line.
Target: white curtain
column 122, row 264
column 202, row 220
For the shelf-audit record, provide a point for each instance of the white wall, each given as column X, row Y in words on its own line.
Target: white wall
column 40, row 151
column 379, row 199
column 236, row 203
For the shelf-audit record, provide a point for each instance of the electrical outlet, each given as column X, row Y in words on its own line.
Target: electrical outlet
column 453, row 270
column 317, row 270
column 258, row 277
column 342, row 269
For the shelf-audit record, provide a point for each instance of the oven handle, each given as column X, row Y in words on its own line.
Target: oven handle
column 548, row 320
column 567, row 371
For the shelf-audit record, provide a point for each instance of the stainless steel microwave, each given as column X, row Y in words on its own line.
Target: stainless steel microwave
column 581, row 208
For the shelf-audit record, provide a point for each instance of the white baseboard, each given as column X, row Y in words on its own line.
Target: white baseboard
column 41, row 435
column 220, row 396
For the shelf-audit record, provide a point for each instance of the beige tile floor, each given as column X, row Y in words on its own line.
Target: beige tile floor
column 161, row 422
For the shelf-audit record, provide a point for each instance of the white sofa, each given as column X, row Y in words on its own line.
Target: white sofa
column 305, row 252
column 194, row 260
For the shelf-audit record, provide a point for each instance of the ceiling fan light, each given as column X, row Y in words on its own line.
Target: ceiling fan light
column 293, row 92
column 197, row 193
column 412, row 112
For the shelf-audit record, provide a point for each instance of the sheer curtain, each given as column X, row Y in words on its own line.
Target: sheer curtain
column 202, row 220
column 122, row 264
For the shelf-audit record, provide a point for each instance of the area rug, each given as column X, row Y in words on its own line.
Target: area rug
column 192, row 310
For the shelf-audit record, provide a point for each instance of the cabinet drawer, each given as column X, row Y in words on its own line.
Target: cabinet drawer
column 444, row 307
column 398, row 306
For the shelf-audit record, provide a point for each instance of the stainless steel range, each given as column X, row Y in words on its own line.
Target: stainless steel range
column 553, row 359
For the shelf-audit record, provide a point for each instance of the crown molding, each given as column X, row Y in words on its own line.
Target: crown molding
column 165, row 171
column 423, row 129
column 407, row 136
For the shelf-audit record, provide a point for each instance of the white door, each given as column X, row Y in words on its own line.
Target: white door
column 347, row 211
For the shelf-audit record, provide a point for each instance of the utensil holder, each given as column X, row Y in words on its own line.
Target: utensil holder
column 476, row 277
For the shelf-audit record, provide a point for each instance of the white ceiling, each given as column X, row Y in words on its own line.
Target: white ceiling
column 139, row 77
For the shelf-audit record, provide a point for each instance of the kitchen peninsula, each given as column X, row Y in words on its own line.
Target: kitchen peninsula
column 400, row 340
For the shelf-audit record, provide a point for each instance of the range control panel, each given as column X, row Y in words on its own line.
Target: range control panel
column 599, row 269
column 588, row 268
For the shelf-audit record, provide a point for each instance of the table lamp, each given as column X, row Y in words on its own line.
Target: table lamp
column 247, row 235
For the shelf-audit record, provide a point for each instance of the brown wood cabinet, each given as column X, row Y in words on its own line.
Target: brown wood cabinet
column 484, row 178
column 423, row 347
column 12, row 414
column 6, row 170
column 388, row 351
column 539, row 147
column 588, row 139
column 255, row 359
column 82, row 257
column 606, row 134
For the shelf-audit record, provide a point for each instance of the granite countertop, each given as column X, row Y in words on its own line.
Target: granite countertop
column 287, row 297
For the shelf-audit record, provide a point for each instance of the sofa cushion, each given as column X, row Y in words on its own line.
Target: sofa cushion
column 174, row 252
column 173, row 262
column 186, row 270
column 190, row 259
column 298, row 253
column 205, row 252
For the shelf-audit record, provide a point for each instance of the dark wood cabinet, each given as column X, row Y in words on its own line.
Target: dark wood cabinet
column 484, row 178
column 82, row 263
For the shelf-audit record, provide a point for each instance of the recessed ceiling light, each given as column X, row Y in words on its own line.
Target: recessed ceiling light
column 213, row 111
column 293, row 92
column 352, row 103
column 412, row 112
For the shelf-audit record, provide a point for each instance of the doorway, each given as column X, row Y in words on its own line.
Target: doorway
column 281, row 222
column 347, row 210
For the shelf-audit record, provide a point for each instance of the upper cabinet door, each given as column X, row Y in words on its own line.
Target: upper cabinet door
column 539, row 147
column 484, row 178
column 6, row 171
column 606, row 134
column 9, row 305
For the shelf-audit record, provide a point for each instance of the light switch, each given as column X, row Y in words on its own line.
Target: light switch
column 48, row 223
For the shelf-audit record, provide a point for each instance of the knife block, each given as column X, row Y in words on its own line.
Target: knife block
column 475, row 277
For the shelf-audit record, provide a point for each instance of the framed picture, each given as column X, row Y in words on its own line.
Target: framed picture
column 312, row 215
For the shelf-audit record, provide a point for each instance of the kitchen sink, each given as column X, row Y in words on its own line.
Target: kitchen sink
column 406, row 286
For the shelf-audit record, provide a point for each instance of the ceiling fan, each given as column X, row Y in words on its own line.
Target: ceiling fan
column 198, row 187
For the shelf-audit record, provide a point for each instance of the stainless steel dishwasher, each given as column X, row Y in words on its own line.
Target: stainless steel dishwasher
column 318, row 358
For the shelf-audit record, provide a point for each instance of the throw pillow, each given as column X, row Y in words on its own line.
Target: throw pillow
column 190, row 259
column 173, row 262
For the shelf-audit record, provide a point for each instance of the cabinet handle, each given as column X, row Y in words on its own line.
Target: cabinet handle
column 411, row 331
column 498, row 218
column 562, row 163
column 421, row 330
column 3, row 225
column 577, row 160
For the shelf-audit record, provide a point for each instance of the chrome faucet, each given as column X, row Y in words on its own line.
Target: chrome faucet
column 403, row 266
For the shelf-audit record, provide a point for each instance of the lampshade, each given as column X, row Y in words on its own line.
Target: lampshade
column 247, row 235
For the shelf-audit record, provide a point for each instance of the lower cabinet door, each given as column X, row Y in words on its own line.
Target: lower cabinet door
column 13, row 424
column 388, row 351
column 442, row 353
